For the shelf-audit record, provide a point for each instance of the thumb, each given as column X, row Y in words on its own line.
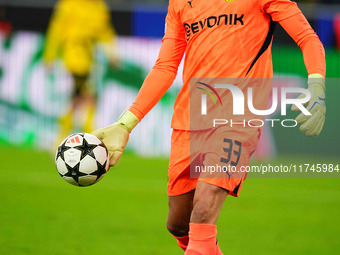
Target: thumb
column 115, row 157
column 110, row 154
column 294, row 108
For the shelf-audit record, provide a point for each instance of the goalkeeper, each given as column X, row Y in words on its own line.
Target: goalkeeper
column 220, row 39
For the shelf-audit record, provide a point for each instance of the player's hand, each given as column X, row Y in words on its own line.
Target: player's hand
column 115, row 139
column 312, row 125
column 116, row 136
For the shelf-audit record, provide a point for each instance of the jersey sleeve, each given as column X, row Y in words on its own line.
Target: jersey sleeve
column 174, row 29
column 303, row 34
column 279, row 9
column 164, row 71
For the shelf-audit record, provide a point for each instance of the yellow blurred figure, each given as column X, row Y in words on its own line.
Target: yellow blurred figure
column 75, row 28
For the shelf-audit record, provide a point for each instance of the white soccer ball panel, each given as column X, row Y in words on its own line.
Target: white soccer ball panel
column 61, row 167
column 74, row 140
column 72, row 157
column 92, row 139
column 87, row 180
column 70, row 180
column 88, row 165
column 101, row 154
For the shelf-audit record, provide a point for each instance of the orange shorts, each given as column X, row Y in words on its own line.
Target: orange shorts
column 200, row 156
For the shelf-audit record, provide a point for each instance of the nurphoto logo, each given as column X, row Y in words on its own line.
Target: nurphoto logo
column 280, row 98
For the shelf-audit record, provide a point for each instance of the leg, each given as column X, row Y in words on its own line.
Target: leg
column 67, row 121
column 84, row 103
column 208, row 201
column 180, row 208
column 213, row 188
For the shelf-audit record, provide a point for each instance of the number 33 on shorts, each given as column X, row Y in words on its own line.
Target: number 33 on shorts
column 233, row 152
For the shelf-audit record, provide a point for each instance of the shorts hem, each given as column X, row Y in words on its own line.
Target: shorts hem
column 230, row 192
column 182, row 192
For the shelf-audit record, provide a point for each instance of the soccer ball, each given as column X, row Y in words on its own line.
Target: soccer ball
column 82, row 159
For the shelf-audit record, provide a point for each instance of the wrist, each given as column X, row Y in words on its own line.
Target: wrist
column 127, row 120
column 316, row 86
column 316, row 79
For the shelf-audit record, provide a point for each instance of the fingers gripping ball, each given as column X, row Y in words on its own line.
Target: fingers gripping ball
column 115, row 138
column 82, row 159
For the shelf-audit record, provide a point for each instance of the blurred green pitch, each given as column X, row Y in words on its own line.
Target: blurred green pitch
column 125, row 213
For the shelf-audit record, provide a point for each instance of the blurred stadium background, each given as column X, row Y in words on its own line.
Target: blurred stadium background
column 125, row 213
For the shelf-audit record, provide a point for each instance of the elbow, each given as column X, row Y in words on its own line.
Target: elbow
column 314, row 43
column 166, row 68
column 311, row 39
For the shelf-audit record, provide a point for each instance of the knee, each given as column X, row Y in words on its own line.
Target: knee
column 177, row 228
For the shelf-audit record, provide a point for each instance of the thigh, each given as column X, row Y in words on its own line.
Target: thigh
column 226, row 158
column 180, row 208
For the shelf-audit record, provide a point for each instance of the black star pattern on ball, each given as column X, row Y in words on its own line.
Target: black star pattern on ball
column 73, row 172
column 61, row 149
column 86, row 149
column 100, row 171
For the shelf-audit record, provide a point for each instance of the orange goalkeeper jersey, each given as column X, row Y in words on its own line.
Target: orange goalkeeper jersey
column 223, row 39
